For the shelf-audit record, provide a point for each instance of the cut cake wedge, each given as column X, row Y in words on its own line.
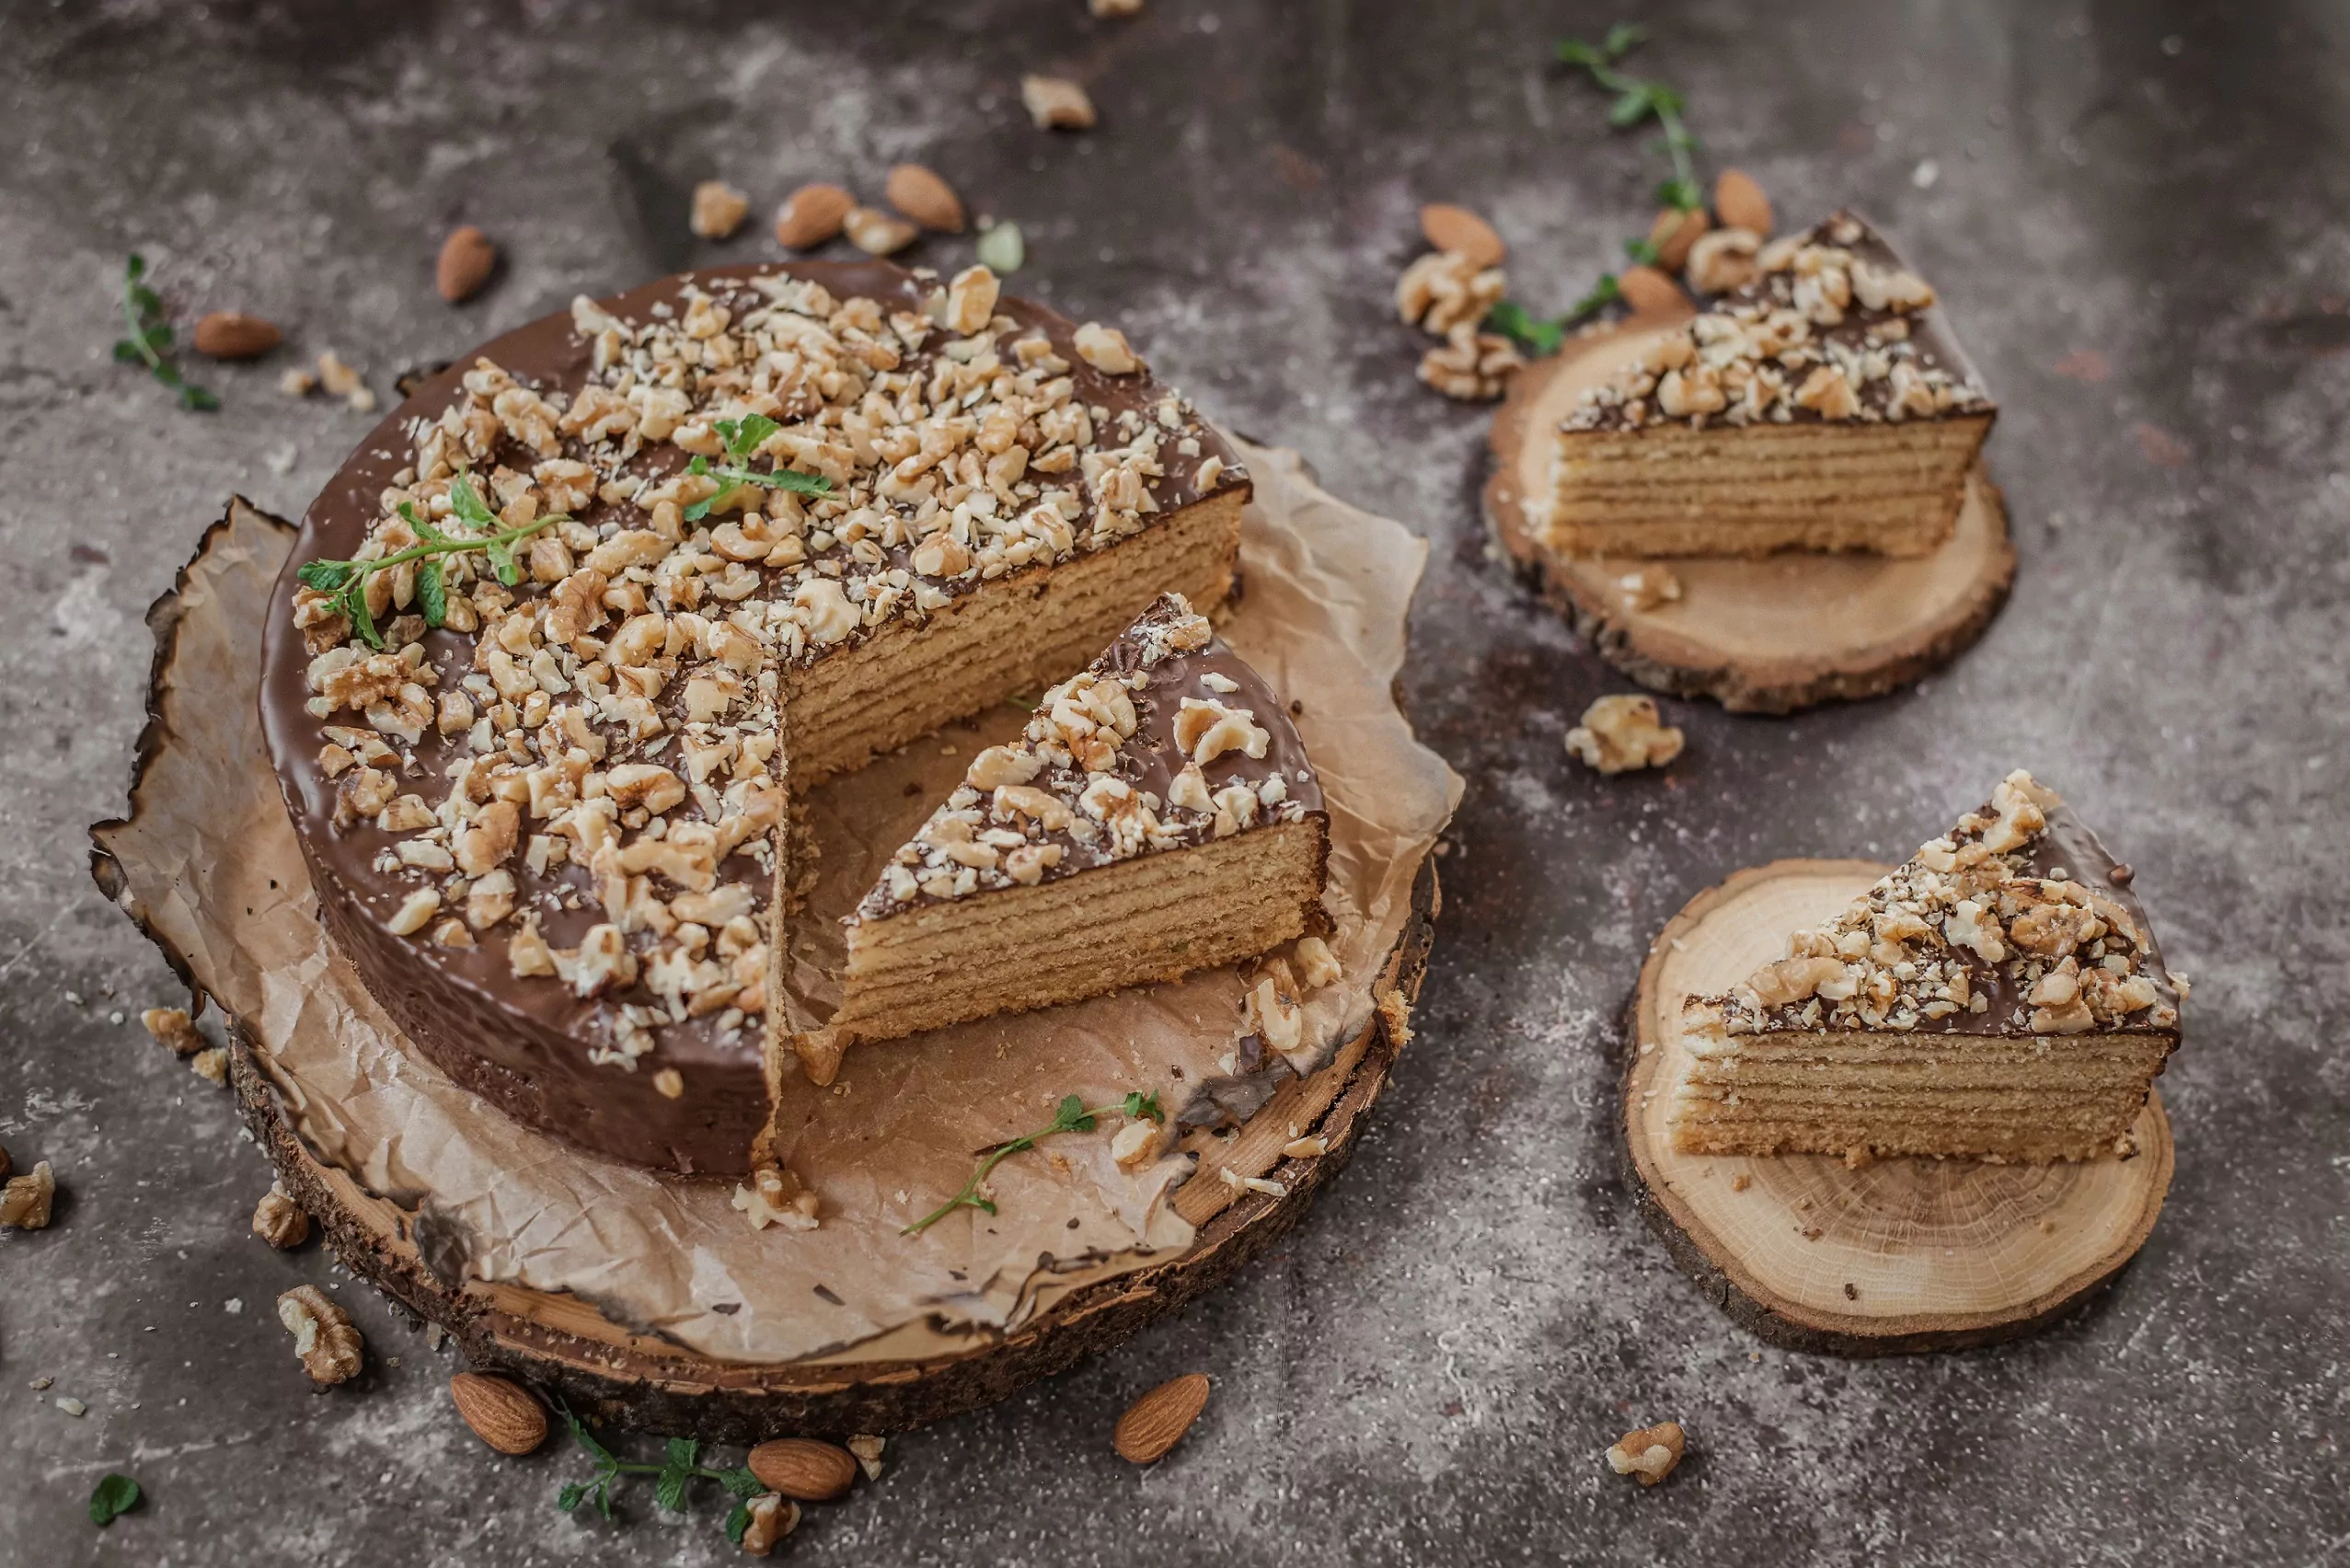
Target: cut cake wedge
column 1823, row 406
column 2000, row 996
column 1157, row 816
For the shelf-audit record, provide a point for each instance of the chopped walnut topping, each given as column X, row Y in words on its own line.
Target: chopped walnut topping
column 1622, row 732
column 775, row 1196
column 330, row 1348
column 1965, row 920
column 1104, row 348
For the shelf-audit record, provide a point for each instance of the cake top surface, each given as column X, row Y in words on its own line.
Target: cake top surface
column 1169, row 740
column 523, row 694
column 2017, row 922
column 1832, row 329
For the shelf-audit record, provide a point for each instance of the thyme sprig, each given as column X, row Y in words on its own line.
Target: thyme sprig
column 1071, row 1117
column 743, row 437
column 1637, row 101
column 347, row 580
column 679, row 1469
column 150, row 340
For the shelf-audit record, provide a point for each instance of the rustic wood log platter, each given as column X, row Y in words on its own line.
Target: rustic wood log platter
column 1897, row 1256
column 614, row 1374
column 1764, row 635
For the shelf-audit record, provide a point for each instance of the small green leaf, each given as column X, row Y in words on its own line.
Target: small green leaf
column 362, row 620
column 431, row 594
column 1630, row 107
column 1681, row 194
column 737, row 1522
column 1622, row 39
column 163, row 370
column 127, row 352
column 747, row 435
column 1511, row 319
column 146, row 299
column 603, row 1495
column 112, row 1496
column 987, row 1204
column 135, row 268
column 701, row 508
column 683, row 1451
column 465, row 502
column 422, row 526
column 1574, row 52
column 792, row 479
column 570, row 1498
column 501, row 561
column 669, row 1490
column 1640, row 251
column 1003, row 249
column 325, row 575
column 742, row 1483
column 195, row 397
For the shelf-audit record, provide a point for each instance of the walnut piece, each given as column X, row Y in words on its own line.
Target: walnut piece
column 24, row 1202
column 1649, row 1453
column 868, row 1449
column 1473, row 366
column 1057, row 103
column 719, row 209
column 1445, row 289
column 329, row 1347
column 775, row 1196
column 277, row 1220
column 773, row 1516
column 174, row 1029
column 1622, row 732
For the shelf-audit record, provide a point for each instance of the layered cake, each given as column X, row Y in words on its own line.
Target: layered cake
column 562, row 638
column 1157, row 816
column 1823, row 405
column 2000, row 994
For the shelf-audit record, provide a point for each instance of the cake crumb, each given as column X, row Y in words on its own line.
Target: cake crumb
column 1056, row 103
column 1741, row 1182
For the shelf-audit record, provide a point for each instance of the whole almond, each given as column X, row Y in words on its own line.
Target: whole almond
column 466, row 261
column 1672, row 235
column 1651, row 292
column 1158, row 1421
column 233, row 335
column 804, row 1468
column 811, row 216
column 921, row 195
column 501, row 1412
column 1739, row 202
column 1448, row 228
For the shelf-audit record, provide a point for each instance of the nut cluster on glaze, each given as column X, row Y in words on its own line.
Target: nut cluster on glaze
column 1917, row 947
column 622, row 712
column 1824, row 331
column 1058, row 800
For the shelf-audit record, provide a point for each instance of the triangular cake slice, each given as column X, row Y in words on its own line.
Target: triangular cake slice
column 1157, row 815
column 2000, row 994
column 1823, row 405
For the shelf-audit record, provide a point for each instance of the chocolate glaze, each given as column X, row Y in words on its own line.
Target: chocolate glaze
column 523, row 1044
column 1150, row 758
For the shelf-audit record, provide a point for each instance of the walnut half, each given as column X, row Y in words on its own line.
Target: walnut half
column 329, row 1347
column 1649, row 1453
column 1622, row 732
column 277, row 1220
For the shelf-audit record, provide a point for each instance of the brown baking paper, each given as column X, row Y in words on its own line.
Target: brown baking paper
column 209, row 862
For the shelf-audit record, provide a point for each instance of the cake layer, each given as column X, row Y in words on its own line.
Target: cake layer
column 2039, row 1141
column 1755, row 489
column 1155, row 918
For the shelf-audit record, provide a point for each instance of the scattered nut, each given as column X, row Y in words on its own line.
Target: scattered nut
column 811, row 215
column 921, row 195
column 1722, row 260
column 772, row 1518
column 297, row 382
column 1447, row 227
column 1649, row 1453
column 1056, row 103
column 868, row 1449
column 1106, row 349
column 803, row 1468
column 1135, row 1144
column 1672, row 235
column 329, row 1347
column 173, row 1029
column 1473, row 366
column 1443, row 290
column 467, row 258
column 501, row 1412
column 233, row 335
column 1306, row 1147
column 280, row 1221
column 1741, row 1182
column 1651, row 292
column 876, row 233
column 719, row 209
column 1739, row 202
column 25, row 1201
column 1157, row 1422
column 1622, row 732
column 211, row 1065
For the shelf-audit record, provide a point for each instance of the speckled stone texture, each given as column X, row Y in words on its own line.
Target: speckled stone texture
column 2133, row 213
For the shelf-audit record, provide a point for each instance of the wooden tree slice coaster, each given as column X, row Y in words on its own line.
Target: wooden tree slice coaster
column 1766, row 634
column 612, row 1375
column 1900, row 1255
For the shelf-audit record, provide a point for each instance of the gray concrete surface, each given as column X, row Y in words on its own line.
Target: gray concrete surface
column 1429, row 1369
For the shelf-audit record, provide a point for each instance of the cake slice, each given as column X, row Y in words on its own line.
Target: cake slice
column 1822, row 407
column 1157, row 815
column 2000, row 996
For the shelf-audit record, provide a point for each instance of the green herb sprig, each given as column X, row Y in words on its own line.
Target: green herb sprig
column 679, row 1469
column 111, row 1498
column 1636, row 101
column 151, row 342
column 743, row 437
column 1070, row 1117
column 347, row 580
